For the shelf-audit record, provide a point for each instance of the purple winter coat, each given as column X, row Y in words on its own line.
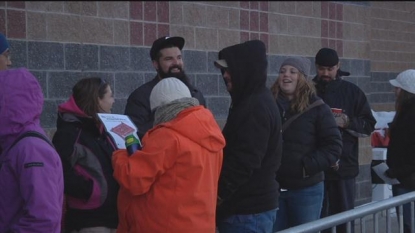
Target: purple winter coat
column 31, row 177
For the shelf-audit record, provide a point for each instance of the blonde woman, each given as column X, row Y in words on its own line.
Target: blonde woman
column 311, row 144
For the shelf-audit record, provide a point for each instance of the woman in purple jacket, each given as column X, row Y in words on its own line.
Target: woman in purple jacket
column 31, row 177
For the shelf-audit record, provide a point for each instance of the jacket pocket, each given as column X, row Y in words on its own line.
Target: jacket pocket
column 98, row 195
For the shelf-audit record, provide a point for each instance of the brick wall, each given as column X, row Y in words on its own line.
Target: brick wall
column 61, row 42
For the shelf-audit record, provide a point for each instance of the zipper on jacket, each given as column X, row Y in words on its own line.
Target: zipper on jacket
column 284, row 119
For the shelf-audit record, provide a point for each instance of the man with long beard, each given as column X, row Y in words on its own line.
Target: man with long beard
column 166, row 56
column 355, row 120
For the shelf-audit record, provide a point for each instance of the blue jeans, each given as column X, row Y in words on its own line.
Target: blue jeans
column 299, row 206
column 249, row 223
column 399, row 190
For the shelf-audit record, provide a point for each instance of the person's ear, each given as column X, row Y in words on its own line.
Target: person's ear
column 155, row 65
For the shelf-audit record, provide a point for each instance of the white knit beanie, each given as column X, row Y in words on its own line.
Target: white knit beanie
column 405, row 80
column 167, row 90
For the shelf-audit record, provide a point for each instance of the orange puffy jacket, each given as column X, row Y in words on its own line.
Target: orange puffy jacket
column 171, row 184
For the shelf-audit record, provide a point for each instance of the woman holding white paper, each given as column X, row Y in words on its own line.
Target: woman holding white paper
column 401, row 149
column 85, row 149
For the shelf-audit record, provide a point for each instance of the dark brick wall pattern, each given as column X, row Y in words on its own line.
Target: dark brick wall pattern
column 61, row 42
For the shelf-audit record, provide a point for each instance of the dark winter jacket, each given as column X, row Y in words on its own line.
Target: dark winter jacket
column 401, row 148
column 311, row 144
column 347, row 96
column 90, row 188
column 138, row 105
column 252, row 154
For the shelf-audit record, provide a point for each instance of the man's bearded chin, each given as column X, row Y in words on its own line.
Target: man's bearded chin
column 324, row 79
column 179, row 75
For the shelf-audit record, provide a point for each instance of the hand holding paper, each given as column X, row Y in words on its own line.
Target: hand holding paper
column 380, row 170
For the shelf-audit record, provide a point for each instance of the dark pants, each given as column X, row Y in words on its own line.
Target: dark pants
column 399, row 190
column 339, row 196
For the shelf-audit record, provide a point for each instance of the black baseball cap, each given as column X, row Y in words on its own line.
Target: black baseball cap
column 164, row 42
column 327, row 57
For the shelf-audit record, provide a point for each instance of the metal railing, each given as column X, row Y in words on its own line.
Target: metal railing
column 360, row 212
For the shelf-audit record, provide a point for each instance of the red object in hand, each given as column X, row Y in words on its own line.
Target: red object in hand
column 336, row 110
column 378, row 140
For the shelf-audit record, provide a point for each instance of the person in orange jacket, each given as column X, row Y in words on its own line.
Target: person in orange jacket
column 171, row 184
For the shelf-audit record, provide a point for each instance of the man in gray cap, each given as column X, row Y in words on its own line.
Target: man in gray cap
column 354, row 118
column 166, row 55
column 5, row 61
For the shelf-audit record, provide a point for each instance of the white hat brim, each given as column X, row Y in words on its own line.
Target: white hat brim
column 220, row 64
column 395, row 83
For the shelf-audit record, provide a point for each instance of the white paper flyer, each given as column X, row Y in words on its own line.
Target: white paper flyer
column 118, row 126
column 380, row 171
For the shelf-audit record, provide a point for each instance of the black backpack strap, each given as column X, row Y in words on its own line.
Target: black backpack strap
column 288, row 122
column 31, row 134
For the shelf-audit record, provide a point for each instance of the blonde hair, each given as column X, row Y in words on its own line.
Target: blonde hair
column 303, row 91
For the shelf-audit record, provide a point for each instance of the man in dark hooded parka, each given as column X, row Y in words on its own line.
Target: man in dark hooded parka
column 247, row 187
